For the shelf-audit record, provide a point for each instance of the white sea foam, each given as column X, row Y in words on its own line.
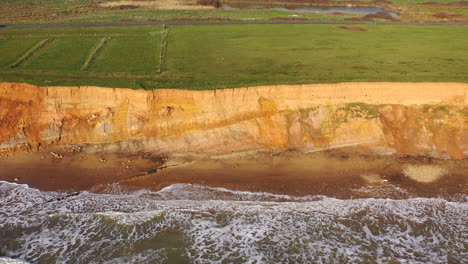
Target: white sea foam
column 132, row 218
column 139, row 227
column 182, row 191
column 4, row 260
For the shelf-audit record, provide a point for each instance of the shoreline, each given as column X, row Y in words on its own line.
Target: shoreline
column 332, row 173
column 325, row 139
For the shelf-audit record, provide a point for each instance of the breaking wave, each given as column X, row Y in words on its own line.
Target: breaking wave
column 197, row 224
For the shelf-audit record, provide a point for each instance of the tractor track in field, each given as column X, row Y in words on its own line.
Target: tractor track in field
column 231, row 23
column 32, row 51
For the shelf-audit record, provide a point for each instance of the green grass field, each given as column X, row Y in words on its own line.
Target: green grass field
column 215, row 56
column 12, row 48
column 55, row 56
column 145, row 16
column 318, row 53
column 132, row 55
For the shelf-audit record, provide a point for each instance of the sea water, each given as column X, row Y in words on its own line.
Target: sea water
column 185, row 223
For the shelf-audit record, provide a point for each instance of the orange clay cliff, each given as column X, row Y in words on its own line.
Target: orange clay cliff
column 419, row 119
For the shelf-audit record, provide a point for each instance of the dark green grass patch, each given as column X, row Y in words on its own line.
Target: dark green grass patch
column 66, row 54
column 132, row 55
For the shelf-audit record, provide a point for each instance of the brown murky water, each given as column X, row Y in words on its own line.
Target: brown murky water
column 310, row 9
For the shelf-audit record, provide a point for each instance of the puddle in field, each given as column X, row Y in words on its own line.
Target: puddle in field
column 312, row 9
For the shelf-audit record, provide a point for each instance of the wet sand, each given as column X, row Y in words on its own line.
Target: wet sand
column 70, row 171
column 332, row 173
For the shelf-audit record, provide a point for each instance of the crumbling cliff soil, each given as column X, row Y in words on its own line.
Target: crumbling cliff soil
column 417, row 119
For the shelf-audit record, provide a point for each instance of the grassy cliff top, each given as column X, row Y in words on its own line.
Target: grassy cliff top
column 218, row 56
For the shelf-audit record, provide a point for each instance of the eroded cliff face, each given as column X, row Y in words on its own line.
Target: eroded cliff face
column 427, row 119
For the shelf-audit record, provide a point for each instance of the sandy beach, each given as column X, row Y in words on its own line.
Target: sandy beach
column 333, row 173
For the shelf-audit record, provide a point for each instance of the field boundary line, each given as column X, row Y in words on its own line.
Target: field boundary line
column 32, row 51
column 95, row 53
column 163, row 49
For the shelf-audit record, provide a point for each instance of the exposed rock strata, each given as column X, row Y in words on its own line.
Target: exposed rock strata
column 427, row 119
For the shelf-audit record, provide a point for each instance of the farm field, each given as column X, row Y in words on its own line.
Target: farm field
column 132, row 55
column 19, row 12
column 220, row 56
column 11, row 48
column 56, row 57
